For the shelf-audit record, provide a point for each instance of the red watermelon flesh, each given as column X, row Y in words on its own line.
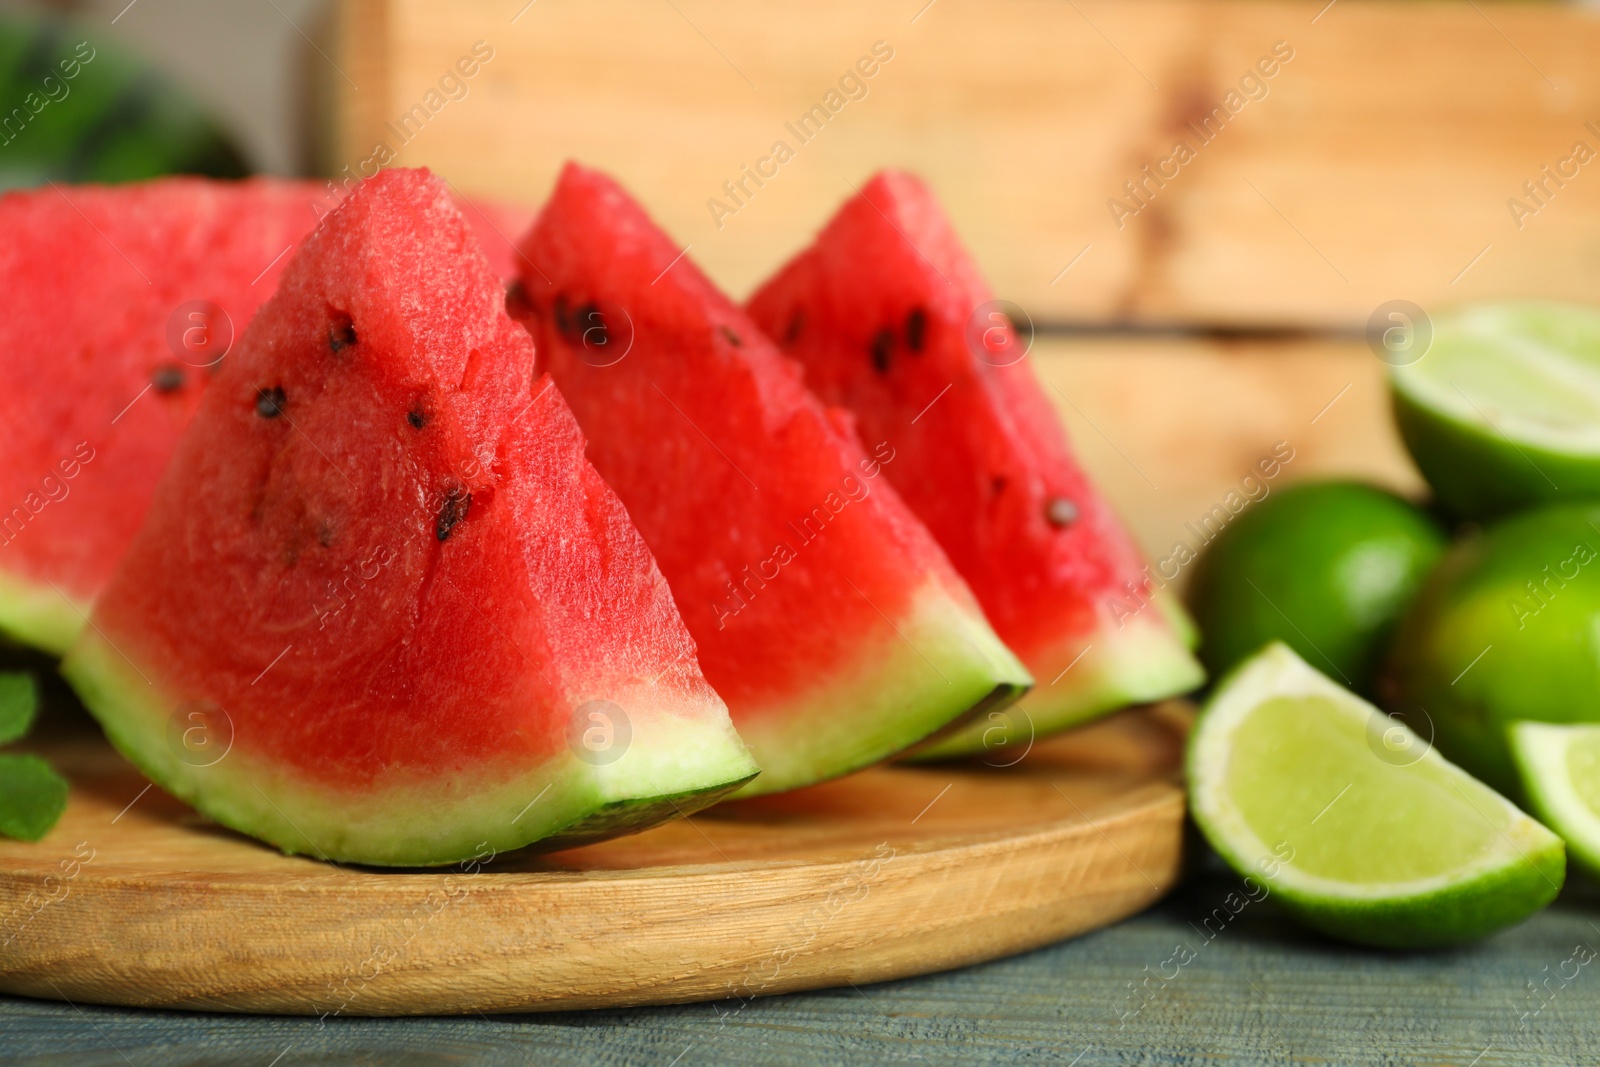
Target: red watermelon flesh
column 120, row 300
column 381, row 609
column 108, row 349
column 824, row 613
column 890, row 319
column 498, row 224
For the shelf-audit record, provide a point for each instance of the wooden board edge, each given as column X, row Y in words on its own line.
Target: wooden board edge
column 864, row 939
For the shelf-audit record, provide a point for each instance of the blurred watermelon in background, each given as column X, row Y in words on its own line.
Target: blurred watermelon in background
column 75, row 108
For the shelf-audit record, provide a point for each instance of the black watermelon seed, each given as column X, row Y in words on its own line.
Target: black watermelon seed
column 916, row 329
column 733, row 338
column 167, row 378
column 590, row 327
column 270, row 402
column 563, row 321
column 456, row 503
column 797, row 322
column 342, row 334
column 518, row 305
column 324, row 534
column 417, row 419
column 1061, row 512
column 882, row 344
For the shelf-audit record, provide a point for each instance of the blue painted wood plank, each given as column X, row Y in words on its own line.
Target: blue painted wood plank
column 1257, row 990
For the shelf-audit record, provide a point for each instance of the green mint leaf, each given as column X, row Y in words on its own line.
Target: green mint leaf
column 19, row 701
column 32, row 796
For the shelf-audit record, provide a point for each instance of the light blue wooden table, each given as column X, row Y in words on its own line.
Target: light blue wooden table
column 1260, row 992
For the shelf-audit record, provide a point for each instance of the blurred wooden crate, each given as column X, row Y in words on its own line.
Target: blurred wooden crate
column 1170, row 425
column 1379, row 163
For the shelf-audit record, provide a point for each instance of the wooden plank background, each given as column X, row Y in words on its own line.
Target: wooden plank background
column 1168, row 426
column 1378, row 164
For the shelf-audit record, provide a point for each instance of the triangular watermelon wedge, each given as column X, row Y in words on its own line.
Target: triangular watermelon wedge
column 890, row 319
column 107, row 351
column 382, row 610
column 825, row 614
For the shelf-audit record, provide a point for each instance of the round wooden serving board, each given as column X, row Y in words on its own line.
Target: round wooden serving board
column 135, row 899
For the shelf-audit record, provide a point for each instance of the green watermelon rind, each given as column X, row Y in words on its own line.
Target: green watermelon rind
column 939, row 666
column 38, row 615
column 672, row 767
column 1143, row 660
column 1178, row 620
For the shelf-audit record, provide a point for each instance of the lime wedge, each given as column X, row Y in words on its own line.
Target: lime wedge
column 1503, row 408
column 1352, row 821
column 1560, row 768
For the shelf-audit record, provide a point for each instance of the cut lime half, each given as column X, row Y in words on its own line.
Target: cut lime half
column 1560, row 769
column 1503, row 409
column 1352, row 821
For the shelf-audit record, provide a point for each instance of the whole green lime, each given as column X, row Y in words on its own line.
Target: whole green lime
column 1506, row 628
column 1324, row 567
column 1502, row 410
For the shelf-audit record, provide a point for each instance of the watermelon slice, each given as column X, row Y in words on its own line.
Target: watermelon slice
column 890, row 319
column 381, row 609
column 120, row 302
column 825, row 614
column 108, row 349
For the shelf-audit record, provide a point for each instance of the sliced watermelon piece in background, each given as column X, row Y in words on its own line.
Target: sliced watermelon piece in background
column 879, row 311
column 103, row 364
column 498, row 226
column 382, row 610
column 825, row 614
